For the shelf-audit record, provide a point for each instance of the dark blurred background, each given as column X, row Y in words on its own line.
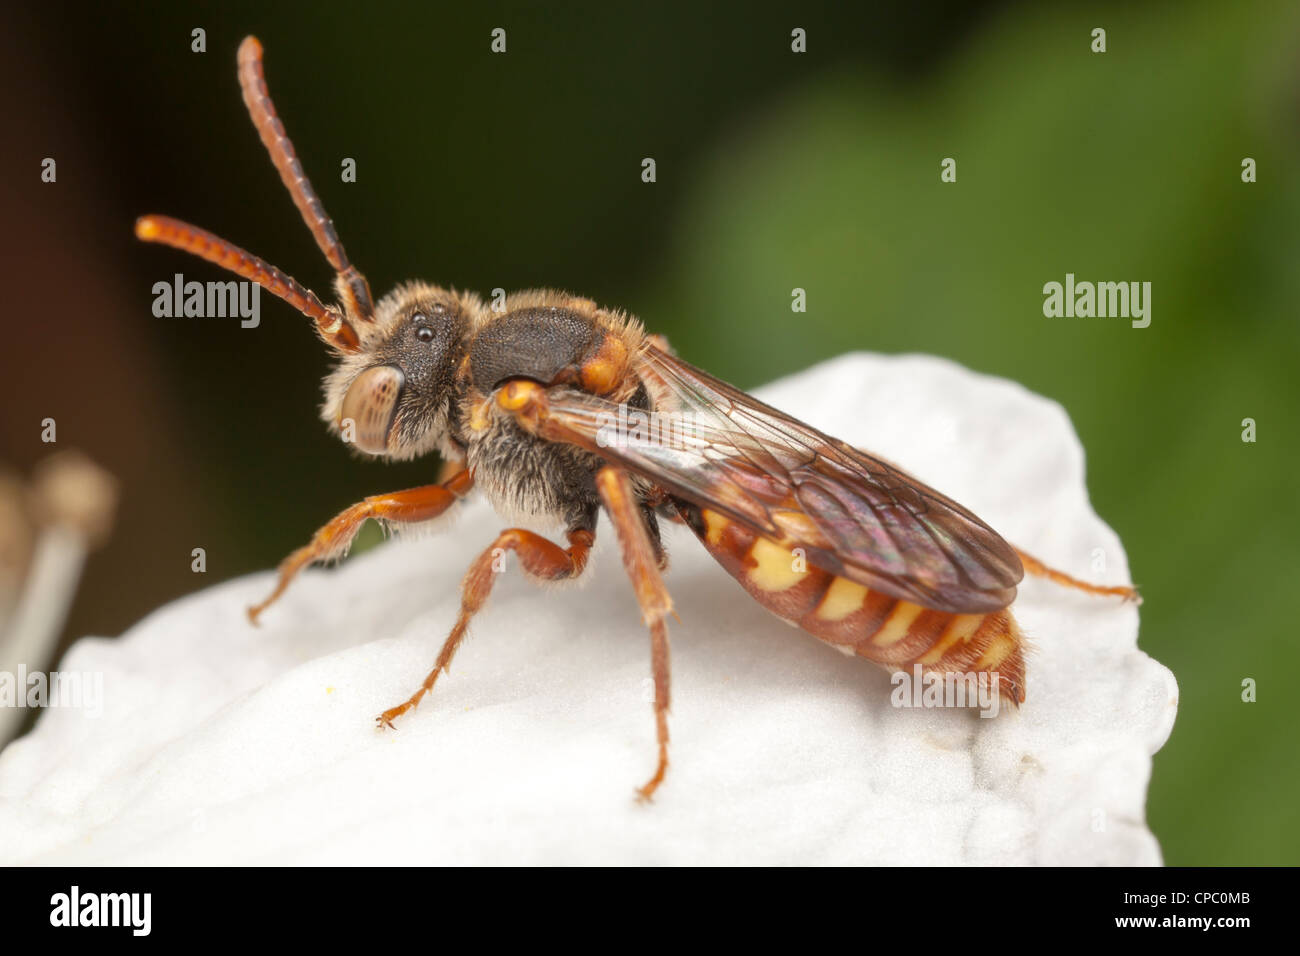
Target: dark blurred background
column 775, row 170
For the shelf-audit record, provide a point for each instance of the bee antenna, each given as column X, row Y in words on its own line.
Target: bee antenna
column 352, row 285
column 331, row 324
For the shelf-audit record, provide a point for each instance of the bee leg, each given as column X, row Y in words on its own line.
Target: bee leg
column 540, row 558
column 400, row 507
column 1034, row 566
column 641, row 559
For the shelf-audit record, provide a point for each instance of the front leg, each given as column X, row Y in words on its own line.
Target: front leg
column 401, row 507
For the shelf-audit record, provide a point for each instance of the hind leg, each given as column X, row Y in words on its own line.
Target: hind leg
column 1036, row 567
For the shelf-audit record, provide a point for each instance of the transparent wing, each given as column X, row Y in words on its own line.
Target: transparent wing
column 852, row 513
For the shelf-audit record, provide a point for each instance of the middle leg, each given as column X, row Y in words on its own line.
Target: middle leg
column 541, row 559
column 642, row 561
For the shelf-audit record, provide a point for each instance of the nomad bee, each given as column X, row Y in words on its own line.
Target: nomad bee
column 525, row 404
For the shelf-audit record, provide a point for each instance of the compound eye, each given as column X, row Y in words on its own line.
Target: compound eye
column 424, row 333
column 371, row 405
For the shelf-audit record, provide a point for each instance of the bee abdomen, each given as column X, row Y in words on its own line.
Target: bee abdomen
column 892, row 632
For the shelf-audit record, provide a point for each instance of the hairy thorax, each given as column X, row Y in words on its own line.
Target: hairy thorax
column 556, row 340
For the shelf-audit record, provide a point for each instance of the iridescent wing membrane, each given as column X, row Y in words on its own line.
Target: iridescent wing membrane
column 853, row 514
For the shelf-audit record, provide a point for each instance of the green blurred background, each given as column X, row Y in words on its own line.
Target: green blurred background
column 775, row 170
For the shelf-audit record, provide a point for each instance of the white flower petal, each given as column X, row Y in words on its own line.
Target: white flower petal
column 223, row 743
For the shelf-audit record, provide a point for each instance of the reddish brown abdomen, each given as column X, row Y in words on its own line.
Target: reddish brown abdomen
column 894, row 633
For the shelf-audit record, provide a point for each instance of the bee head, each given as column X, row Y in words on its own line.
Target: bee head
column 391, row 391
column 392, row 397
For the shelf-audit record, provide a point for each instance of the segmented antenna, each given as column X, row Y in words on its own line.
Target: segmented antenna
column 330, row 322
column 354, row 289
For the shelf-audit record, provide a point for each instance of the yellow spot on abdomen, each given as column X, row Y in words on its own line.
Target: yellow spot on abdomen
column 961, row 628
column 998, row 650
column 797, row 526
column 842, row 598
column 714, row 525
column 774, row 566
column 900, row 619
